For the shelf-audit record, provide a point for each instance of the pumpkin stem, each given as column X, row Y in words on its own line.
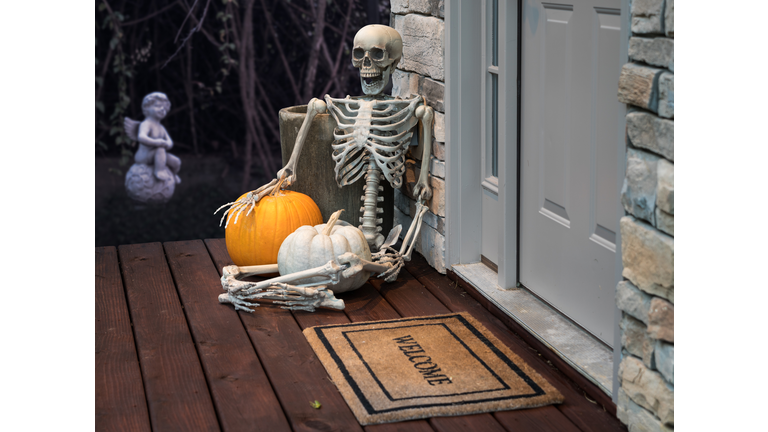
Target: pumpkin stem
column 331, row 222
column 276, row 190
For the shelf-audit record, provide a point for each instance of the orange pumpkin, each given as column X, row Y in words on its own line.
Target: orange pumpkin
column 256, row 238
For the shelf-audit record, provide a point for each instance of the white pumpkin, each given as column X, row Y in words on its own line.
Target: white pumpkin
column 313, row 246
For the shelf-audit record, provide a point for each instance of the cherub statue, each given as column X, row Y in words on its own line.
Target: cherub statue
column 372, row 135
column 154, row 143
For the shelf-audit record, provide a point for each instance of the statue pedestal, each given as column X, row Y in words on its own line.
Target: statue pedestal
column 315, row 170
column 142, row 185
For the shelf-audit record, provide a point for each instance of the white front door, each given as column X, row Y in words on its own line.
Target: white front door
column 570, row 119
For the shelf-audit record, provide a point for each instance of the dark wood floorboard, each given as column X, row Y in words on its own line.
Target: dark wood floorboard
column 241, row 392
column 296, row 374
column 542, row 419
column 175, row 386
column 586, row 415
column 294, row 370
column 366, row 304
column 120, row 401
column 476, row 422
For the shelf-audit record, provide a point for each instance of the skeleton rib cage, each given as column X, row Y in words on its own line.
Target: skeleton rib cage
column 371, row 130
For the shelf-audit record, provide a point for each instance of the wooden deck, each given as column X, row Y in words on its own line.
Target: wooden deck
column 169, row 357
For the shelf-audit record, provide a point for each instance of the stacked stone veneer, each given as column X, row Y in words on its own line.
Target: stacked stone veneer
column 646, row 296
column 422, row 72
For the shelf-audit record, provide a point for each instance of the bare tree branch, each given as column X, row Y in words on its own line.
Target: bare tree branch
column 279, row 46
column 191, row 32
column 150, row 16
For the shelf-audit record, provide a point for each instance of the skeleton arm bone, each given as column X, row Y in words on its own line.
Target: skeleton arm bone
column 314, row 107
column 426, row 115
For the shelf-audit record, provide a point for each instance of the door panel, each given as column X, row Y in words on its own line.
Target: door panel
column 569, row 129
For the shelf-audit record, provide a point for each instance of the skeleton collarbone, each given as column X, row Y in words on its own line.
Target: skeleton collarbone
column 374, row 131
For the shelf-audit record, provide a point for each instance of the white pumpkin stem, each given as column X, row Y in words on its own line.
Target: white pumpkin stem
column 331, row 222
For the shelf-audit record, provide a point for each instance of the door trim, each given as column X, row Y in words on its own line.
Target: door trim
column 463, row 126
column 464, row 71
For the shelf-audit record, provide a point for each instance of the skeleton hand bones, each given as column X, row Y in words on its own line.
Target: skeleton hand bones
column 299, row 296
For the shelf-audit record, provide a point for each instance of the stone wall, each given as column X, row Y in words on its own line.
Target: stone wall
column 646, row 296
column 422, row 72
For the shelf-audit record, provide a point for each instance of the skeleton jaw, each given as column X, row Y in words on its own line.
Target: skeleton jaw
column 373, row 83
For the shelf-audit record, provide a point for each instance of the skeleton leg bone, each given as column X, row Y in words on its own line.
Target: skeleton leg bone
column 296, row 297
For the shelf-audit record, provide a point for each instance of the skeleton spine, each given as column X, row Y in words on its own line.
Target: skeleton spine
column 370, row 210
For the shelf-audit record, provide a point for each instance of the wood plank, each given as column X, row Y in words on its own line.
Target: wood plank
column 408, row 297
column 120, row 401
column 241, row 392
column 366, row 304
column 177, row 394
column 475, row 422
column 542, row 419
column 294, row 370
column 586, row 415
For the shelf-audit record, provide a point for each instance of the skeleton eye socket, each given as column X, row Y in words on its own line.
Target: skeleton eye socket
column 358, row 53
column 377, row 54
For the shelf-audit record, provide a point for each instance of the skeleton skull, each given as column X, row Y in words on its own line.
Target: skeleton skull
column 377, row 50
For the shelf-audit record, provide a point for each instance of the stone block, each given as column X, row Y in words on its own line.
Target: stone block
column 431, row 244
column 665, row 221
column 431, row 219
column 666, row 107
column 647, row 131
column 398, row 6
column 635, row 340
column 664, row 359
column 439, row 127
column 402, row 219
column 638, row 85
column 434, row 91
column 405, row 84
column 647, row 16
column 649, row 258
column 665, row 186
column 437, row 168
column 427, row 7
column 633, row 301
column 661, row 320
column 423, row 47
column 638, row 194
column 437, row 202
column 402, row 202
column 637, row 418
column 669, row 19
column 647, row 389
column 654, row 51
column 438, row 150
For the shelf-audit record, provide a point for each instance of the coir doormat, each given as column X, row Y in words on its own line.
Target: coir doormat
column 414, row 368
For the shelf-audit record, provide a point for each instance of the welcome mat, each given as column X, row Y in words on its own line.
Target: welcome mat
column 414, row 368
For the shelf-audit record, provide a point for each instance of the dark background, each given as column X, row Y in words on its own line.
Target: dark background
column 227, row 67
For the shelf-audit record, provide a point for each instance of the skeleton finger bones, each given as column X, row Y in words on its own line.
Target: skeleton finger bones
column 289, row 289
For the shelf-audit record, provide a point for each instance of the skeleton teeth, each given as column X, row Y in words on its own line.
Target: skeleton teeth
column 370, row 74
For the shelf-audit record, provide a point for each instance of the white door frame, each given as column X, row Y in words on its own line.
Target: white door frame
column 463, row 72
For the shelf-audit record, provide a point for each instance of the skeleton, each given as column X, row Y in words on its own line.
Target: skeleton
column 372, row 136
